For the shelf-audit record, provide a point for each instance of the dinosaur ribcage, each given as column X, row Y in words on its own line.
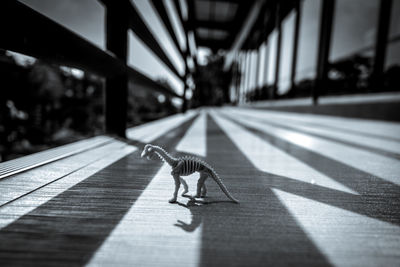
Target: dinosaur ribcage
column 190, row 166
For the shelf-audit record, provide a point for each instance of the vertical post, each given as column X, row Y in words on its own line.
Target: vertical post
column 185, row 87
column 242, row 76
column 324, row 47
column 278, row 48
column 295, row 43
column 187, row 54
column 266, row 63
column 258, row 72
column 248, row 70
column 248, row 83
column 233, row 87
column 238, row 76
column 381, row 42
column 116, row 91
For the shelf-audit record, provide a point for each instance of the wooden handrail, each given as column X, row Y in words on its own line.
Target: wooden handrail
column 26, row 31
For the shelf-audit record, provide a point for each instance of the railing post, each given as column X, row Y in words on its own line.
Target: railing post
column 278, row 25
column 381, row 42
column 241, row 84
column 116, row 91
column 248, row 69
column 185, row 87
column 258, row 70
column 324, row 47
column 297, row 9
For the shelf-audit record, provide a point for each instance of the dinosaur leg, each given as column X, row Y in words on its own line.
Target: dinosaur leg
column 177, row 185
column 185, row 186
column 204, row 190
column 200, row 183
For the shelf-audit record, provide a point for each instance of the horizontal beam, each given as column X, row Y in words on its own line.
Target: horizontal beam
column 38, row 36
column 213, row 44
column 213, row 25
column 162, row 12
column 139, row 27
column 138, row 78
column 244, row 32
column 186, row 28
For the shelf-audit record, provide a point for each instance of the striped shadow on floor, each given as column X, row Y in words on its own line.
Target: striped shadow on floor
column 367, row 185
column 379, row 145
column 302, row 202
column 69, row 228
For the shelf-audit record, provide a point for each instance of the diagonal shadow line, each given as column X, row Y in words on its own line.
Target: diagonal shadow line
column 140, row 145
column 260, row 231
column 347, row 143
column 377, row 136
column 328, row 166
column 379, row 199
column 68, row 229
column 349, row 130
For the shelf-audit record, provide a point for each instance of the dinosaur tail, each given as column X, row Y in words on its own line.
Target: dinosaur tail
column 218, row 180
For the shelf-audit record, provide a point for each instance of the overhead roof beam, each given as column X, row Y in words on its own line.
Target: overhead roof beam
column 213, row 44
column 214, row 25
column 244, row 32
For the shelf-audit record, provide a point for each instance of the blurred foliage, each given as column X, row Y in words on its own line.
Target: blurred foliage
column 212, row 83
column 43, row 105
column 145, row 105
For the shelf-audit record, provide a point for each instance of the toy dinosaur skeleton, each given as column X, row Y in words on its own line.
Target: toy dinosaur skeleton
column 184, row 166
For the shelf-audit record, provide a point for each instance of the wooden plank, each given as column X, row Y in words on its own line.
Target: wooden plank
column 22, row 184
column 351, row 156
column 152, row 130
column 120, row 216
column 19, row 165
column 367, row 141
column 19, row 207
column 147, row 249
column 374, row 128
column 69, row 228
column 63, row 174
column 251, row 145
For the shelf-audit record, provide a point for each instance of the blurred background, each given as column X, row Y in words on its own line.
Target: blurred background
column 181, row 54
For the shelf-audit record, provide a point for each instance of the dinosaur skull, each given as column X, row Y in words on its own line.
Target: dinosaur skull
column 147, row 152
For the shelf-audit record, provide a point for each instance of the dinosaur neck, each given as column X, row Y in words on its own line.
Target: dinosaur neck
column 166, row 156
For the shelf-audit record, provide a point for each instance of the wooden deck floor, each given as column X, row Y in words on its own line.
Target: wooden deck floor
column 314, row 191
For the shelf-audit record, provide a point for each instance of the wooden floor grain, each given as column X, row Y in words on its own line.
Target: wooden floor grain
column 308, row 197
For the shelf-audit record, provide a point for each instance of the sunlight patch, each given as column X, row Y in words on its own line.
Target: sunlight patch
column 194, row 141
column 344, row 237
column 270, row 159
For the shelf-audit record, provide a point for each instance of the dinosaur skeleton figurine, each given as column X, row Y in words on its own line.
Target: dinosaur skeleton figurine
column 184, row 166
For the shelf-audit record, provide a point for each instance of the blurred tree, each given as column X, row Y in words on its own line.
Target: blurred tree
column 212, row 83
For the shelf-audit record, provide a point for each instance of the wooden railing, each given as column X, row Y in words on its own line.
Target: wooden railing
column 26, row 31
